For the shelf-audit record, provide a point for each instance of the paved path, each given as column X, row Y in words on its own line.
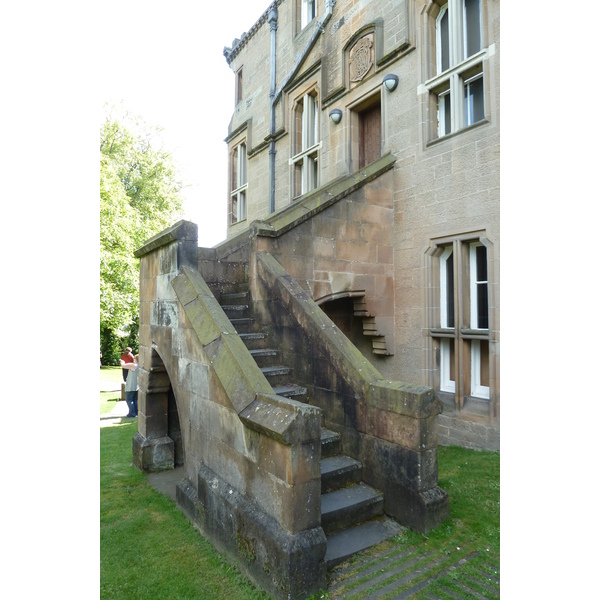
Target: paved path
column 120, row 409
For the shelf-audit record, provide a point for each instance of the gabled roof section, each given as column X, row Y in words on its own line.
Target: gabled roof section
column 239, row 43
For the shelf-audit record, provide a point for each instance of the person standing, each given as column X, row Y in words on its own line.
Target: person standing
column 131, row 387
column 126, row 359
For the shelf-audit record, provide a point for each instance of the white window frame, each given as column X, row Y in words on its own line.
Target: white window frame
column 442, row 116
column 460, row 339
column 446, row 384
column 308, row 157
column 438, row 39
column 239, row 194
column 308, row 12
column 477, row 389
column 469, row 118
column 444, row 286
column 450, row 85
column 474, row 283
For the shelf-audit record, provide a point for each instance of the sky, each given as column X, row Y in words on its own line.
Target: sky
column 167, row 66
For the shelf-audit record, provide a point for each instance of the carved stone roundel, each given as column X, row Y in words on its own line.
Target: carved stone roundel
column 361, row 60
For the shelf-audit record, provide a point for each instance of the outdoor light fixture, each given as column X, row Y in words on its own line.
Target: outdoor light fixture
column 336, row 115
column 390, row 82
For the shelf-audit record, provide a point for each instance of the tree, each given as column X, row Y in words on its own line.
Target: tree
column 140, row 195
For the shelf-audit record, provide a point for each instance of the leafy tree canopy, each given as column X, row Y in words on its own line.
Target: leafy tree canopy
column 140, row 195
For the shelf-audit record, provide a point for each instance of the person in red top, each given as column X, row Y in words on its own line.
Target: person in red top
column 126, row 358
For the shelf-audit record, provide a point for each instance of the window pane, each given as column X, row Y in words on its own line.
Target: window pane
column 481, row 263
column 234, row 210
column 474, row 101
column 298, row 127
column 443, row 40
column 234, row 169
column 242, row 169
column 315, row 121
column 444, row 114
column 472, row 27
column 484, row 375
column 450, row 291
column 482, row 306
column 242, row 206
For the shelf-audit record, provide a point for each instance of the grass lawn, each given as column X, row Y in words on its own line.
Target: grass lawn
column 109, row 376
column 472, row 532
column 150, row 550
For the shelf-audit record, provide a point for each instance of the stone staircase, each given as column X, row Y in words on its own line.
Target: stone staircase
column 352, row 514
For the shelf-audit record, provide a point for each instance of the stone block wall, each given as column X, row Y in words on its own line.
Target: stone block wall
column 440, row 188
column 346, row 250
column 252, row 477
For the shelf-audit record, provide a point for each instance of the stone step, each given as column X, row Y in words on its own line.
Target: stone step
column 344, row 544
column 236, row 298
column 290, row 391
column 276, row 370
column 339, row 471
column 278, row 376
column 349, row 506
column 263, row 352
column 234, row 308
column 251, row 336
column 331, row 443
column 265, row 357
column 242, row 324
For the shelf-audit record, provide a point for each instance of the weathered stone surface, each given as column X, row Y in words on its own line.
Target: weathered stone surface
column 283, row 419
column 153, row 454
column 286, row 565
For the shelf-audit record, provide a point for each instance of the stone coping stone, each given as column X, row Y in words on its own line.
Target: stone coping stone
column 180, row 231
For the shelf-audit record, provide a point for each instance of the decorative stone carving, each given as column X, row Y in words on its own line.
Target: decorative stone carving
column 361, row 58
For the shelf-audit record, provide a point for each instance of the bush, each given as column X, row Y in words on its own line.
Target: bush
column 112, row 345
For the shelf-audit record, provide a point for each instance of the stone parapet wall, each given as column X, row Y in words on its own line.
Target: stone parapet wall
column 377, row 418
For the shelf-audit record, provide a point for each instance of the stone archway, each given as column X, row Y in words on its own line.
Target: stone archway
column 158, row 445
column 348, row 310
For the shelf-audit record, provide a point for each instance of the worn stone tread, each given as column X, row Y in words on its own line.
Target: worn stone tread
column 338, row 462
column 340, row 500
column 289, row 390
column 344, row 544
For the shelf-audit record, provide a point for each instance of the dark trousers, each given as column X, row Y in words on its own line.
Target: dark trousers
column 132, row 403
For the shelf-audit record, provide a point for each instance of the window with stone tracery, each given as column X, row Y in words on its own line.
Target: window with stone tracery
column 456, row 55
column 306, row 145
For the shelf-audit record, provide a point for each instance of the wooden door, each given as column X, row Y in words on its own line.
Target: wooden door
column 370, row 135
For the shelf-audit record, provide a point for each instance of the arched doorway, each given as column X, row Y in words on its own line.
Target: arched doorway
column 341, row 310
column 158, row 445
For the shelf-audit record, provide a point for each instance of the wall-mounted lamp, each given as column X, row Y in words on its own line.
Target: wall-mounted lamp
column 336, row 115
column 390, row 82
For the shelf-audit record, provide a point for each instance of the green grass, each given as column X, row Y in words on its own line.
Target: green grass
column 150, row 550
column 472, row 532
column 109, row 399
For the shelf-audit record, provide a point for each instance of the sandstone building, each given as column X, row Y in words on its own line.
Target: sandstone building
column 418, row 268
column 304, row 371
